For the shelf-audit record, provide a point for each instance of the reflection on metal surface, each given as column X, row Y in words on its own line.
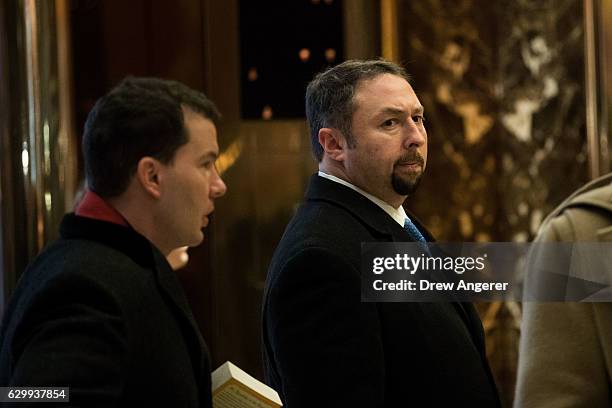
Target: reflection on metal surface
column 33, row 187
column 606, row 12
column 591, row 91
column 38, row 142
column 48, row 201
column 25, row 158
column 388, row 27
column 605, row 64
column 47, row 154
column 361, row 29
column 595, row 82
column 66, row 138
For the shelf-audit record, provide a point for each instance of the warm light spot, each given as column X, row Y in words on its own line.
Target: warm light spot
column 252, row 74
column 330, row 54
column 465, row 224
column 48, row 201
column 304, row 54
column 328, row 2
column 266, row 113
column 178, row 258
column 47, row 148
column 229, row 156
column 25, row 158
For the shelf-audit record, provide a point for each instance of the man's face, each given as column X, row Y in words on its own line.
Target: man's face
column 391, row 142
column 191, row 184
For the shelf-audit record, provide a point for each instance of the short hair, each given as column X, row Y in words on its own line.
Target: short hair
column 329, row 96
column 139, row 117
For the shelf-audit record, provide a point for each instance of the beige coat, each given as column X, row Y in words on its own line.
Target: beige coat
column 565, row 357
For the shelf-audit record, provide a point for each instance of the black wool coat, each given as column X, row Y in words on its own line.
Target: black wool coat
column 101, row 311
column 324, row 347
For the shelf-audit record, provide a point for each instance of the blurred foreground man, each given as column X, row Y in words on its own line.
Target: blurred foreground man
column 565, row 357
column 322, row 346
column 100, row 310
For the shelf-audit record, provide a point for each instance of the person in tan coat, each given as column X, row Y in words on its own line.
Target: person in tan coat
column 565, row 357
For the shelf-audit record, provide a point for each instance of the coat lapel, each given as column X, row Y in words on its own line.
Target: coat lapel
column 384, row 228
column 173, row 290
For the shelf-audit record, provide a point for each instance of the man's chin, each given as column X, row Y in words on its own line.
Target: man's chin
column 405, row 185
column 196, row 239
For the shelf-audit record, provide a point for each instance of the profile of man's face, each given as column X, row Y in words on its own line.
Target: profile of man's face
column 191, row 182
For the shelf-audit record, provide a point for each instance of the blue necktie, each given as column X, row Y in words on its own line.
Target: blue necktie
column 416, row 234
column 413, row 230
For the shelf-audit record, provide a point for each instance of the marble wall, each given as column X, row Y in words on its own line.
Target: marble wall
column 503, row 88
column 502, row 85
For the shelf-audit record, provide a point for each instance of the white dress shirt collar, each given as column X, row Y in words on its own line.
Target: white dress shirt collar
column 398, row 214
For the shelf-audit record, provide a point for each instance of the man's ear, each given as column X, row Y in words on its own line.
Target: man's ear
column 333, row 143
column 148, row 175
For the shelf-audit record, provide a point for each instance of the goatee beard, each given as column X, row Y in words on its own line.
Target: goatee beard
column 407, row 185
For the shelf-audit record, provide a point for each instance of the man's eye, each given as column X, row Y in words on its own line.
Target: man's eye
column 390, row 123
column 419, row 119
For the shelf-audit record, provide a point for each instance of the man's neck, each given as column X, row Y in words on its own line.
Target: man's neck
column 339, row 173
column 141, row 220
column 397, row 213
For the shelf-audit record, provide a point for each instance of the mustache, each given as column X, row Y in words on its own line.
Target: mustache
column 411, row 157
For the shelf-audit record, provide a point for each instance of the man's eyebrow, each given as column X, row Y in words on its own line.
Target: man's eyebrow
column 209, row 155
column 394, row 111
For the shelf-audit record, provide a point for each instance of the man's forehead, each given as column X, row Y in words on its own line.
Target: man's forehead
column 189, row 113
column 201, row 131
column 386, row 92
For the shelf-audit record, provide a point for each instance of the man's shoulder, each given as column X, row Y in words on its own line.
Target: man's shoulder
column 323, row 225
column 67, row 254
column 583, row 214
column 79, row 273
column 75, row 262
column 321, row 234
column 328, row 219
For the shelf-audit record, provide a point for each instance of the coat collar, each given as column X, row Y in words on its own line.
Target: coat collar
column 122, row 238
column 322, row 189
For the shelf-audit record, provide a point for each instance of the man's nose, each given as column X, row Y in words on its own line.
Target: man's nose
column 217, row 187
column 415, row 134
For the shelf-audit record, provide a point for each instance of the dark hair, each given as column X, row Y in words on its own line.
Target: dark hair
column 329, row 96
column 140, row 117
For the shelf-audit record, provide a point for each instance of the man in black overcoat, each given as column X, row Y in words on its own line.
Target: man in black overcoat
column 322, row 345
column 100, row 310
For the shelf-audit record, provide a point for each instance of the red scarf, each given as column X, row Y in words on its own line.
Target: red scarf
column 93, row 206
